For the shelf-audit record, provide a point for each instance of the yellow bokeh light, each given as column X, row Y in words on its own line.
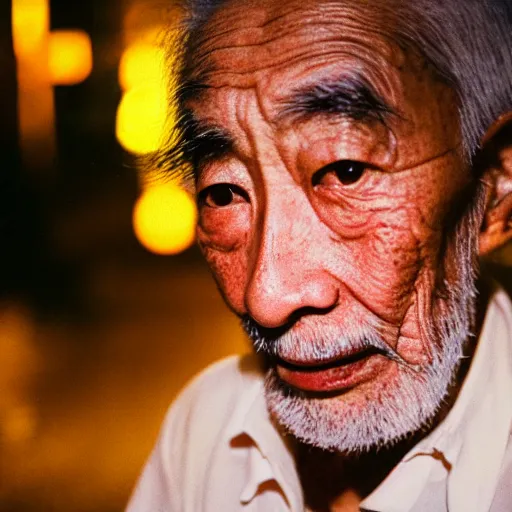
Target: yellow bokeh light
column 30, row 22
column 146, row 116
column 141, row 118
column 164, row 219
column 36, row 115
column 69, row 56
column 141, row 64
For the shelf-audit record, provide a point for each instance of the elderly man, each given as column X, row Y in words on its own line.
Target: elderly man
column 352, row 159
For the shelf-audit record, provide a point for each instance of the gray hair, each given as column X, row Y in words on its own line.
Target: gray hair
column 468, row 44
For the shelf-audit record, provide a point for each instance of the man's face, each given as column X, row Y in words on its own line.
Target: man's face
column 331, row 215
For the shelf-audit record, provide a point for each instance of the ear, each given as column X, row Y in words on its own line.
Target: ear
column 496, row 159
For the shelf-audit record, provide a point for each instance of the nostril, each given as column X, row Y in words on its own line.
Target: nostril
column 251, row 326
column 309, row 310
column 255, row 329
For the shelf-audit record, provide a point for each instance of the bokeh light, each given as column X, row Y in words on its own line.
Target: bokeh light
column 141, row 118
column 30, row 21
column 141, row 63
column 164, row 219
column 69, row 56
column 143, row 110
column 146, row 113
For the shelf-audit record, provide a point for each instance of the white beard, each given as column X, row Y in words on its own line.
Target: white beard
column 407, row 402
column 351, row 424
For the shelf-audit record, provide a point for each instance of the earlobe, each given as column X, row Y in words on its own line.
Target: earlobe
column 497, row 161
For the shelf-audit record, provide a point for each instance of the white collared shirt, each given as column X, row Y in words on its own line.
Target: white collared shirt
column 219, row 451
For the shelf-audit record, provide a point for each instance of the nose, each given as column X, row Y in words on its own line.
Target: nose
column 288, row 278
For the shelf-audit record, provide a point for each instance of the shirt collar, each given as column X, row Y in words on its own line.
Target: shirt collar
column 466, row 449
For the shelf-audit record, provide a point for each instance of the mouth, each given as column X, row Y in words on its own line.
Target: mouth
column 340, row 374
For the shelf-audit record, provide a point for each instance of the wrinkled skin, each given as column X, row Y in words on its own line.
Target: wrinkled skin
column 303, row 246
column 371, row 246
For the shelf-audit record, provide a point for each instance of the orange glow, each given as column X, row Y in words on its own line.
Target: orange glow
column 30, row 22
column 69, row 56
column 36, row 116
column 20, row 424
column 141, row 119
column 141, row 64
column 164, row 219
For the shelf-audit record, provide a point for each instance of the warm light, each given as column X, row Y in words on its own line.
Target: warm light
column 141, row 64
column 30, row 21
column 19, row 424
column 69, row 56
column 141, row 119
column 36, row 116
column 43, row 59
column 164, row 219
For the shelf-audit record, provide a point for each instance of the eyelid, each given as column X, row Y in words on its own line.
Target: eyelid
column 229, row 171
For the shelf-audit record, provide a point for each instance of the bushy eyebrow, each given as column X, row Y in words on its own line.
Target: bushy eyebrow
column 350, row 97
column 203, row 142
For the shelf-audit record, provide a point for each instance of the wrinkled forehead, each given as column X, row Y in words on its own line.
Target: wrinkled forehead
column 283, row 72
column 243, row 40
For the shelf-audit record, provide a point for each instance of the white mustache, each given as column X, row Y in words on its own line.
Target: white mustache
column 321, row 344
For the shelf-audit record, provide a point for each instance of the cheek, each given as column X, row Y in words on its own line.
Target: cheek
column 224, row 229
column 230, row 272
column 383, row 264
column 222, row 234
column 396, row 255
column 388, row 261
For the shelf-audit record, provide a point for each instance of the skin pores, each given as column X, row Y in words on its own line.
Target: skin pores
column 335, row 235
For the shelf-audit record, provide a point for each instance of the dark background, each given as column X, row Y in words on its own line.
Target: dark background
column 97, row 335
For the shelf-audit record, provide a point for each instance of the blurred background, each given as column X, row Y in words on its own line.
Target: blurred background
column 106, row 308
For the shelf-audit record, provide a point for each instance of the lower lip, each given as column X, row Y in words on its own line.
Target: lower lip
column 339, row 378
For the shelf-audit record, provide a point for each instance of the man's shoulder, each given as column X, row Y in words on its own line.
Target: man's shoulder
column 228, row 378
column 214, row 398
column 196, row 432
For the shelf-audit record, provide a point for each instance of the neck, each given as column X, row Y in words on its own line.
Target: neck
column 328, row 478
column 333, row 481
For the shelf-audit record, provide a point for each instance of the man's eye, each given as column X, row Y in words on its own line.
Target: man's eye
column 221, row 195
column 346, row 172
